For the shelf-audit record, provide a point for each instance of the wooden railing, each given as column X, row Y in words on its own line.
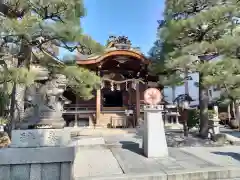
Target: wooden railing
column 79, row 107
column 92, row 107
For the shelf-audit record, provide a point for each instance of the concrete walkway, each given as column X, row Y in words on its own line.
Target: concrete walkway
column 117, row 155
column 127, row 163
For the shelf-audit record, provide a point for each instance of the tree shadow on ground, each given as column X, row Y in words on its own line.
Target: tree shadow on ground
column 132, row 146
column 233, row 155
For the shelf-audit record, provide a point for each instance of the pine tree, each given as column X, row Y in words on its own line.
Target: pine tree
column 193, row 27
column 28, row 31
column 226, row 72
column 159, row 54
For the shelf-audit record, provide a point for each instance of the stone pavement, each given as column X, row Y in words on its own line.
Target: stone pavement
column 126, row 162
column 76, row 131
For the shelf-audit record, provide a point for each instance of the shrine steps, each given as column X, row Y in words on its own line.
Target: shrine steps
column 109, row 119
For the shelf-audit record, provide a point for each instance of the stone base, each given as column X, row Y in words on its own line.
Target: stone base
column 214, row 127
column 40, row 138
column 45, row 163
column 53, row 124
column 154, row 140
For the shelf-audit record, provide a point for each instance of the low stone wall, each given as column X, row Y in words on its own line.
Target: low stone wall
column 43, row 163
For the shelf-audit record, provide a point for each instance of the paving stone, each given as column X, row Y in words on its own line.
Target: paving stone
column 222, row 156
column 200, row 174
column 95, row 162
column 87, row 141
column 123, row 139
column 180, row 165
column 149, row 176
column 212, row 173
column 198, row 163
column 132, row 161
column 189, row 161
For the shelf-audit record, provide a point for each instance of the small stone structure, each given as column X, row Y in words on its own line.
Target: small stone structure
column 38, row 154
column 40, row 138
column 45, row 163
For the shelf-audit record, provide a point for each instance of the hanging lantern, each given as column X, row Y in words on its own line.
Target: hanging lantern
column 112, row 86
column 134, row 85
column 102, row 84
column 118, row 87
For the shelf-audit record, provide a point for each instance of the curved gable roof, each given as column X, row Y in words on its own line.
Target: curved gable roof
column 129, row 53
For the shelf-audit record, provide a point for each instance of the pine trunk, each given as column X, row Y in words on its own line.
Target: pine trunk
column 203, row 102
column 232, row 111
column 18, row 92
column 12, row 109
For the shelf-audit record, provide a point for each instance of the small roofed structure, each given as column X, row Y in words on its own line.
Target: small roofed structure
column 124, row 73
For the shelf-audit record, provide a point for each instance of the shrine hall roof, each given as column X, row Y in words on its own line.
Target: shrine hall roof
column 112, row 52
column 116, row 46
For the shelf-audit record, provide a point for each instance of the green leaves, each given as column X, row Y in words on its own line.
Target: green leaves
column 81, row 80
column 228, row 45
column 18, row 75
column 174, row 79
column 199, row 28
column 48, row 22
column 22, row 76
column 44, row 26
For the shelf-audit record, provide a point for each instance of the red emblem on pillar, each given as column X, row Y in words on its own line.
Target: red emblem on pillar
column 152, row 96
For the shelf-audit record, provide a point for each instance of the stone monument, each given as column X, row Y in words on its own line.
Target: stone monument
column 43, row 124
column 154, row 140
column 214, row 123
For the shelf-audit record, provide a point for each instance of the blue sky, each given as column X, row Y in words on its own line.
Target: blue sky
column 136, row 19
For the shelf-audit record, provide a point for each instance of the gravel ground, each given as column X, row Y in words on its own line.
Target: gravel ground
column 177, row 139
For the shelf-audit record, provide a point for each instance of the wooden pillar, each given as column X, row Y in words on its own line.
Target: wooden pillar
column 146, row 77
column 98, row 100
column 137, row 104
column 129, row 96
column 98, row 106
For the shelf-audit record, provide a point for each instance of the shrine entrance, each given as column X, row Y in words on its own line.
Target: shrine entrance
column 113, row 99
column 124, row 78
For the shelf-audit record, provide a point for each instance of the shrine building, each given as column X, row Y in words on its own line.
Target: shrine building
column 124, row 75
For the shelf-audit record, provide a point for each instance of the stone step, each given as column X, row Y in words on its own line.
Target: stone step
column 219, row 173
column 106, row 118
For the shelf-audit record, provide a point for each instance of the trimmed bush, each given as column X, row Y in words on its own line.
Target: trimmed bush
column 194, row 117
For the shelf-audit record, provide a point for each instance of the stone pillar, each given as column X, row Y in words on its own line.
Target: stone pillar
column 137, row 103
column 154, row 140
column 177, row 120
column 98, row 106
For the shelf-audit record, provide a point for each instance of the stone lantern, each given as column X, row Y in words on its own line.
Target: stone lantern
column 214, row 121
